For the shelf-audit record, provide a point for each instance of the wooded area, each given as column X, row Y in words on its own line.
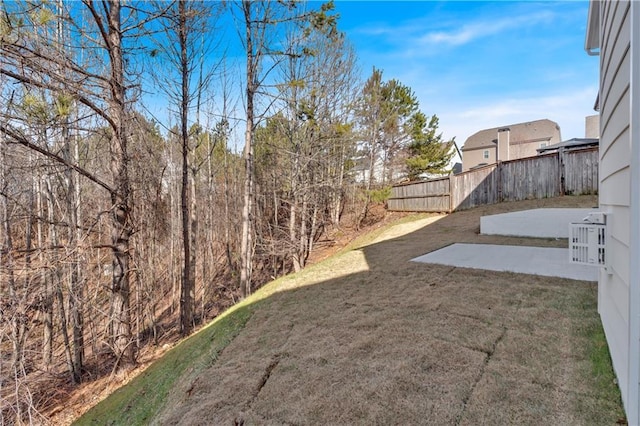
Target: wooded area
column 148, row 180
column 561, row 173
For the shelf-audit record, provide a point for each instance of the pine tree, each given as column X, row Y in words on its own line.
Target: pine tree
column 428, row 153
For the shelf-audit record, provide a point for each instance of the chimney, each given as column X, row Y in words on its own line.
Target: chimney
column 592, row 127
column 502, row 153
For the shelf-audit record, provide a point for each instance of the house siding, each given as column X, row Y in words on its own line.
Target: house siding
column 633, row 396
column 621, row 151
column 510, row 142
column 525, row 150
column 615, row 184
column 475, row 156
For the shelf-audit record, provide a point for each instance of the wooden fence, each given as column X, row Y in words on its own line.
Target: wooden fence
column 561, row 173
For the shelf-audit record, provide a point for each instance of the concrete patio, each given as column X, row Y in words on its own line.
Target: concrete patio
column 544, row 261
column 535, row 223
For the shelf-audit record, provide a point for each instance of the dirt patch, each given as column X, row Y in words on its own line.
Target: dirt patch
column 368, row 337
column 337, row 238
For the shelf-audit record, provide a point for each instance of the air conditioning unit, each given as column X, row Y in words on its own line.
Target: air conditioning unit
column 588, row 241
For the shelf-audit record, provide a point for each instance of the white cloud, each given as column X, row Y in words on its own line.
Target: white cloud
column 377, row 30
column 469, row 32
column 410, row 37
column 427, row 36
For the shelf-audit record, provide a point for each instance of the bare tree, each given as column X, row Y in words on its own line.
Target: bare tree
column 105, row 95
column 254, row 49
column 300, row 145
column 93, row 194
column 264, row 25
column 185, row 27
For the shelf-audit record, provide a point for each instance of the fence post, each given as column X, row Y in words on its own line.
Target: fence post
column 563, row 184
column 499, row 180
column 451, row 193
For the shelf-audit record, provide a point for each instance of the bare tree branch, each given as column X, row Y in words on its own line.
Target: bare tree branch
column 80, row 97
column 20, row 139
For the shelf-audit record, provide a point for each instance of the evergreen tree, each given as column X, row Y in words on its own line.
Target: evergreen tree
column 428, row 153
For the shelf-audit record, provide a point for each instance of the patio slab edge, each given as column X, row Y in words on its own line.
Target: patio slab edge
column 544, row 261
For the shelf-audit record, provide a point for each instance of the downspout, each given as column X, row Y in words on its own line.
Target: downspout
column 633, row 401
column 592, row 43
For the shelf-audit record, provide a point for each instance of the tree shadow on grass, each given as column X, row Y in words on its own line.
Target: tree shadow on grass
column 381, row 340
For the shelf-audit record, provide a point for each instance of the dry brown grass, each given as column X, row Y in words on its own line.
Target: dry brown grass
column 368, row 337
column 379, row 340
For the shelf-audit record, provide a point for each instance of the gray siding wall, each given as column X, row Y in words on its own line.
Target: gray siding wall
column 615, row 179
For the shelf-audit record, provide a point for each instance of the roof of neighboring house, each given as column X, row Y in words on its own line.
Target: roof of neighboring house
column 457, row 168
column 478, row 166
column 574, row 143
column 531, row 131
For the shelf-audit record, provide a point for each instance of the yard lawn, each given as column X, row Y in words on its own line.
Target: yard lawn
column 368, row 337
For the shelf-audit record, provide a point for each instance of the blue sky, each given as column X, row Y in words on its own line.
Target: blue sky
column 480, row 64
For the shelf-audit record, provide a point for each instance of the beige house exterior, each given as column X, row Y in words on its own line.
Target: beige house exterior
column 508, row 142
column 592, row 127
column 613, row 33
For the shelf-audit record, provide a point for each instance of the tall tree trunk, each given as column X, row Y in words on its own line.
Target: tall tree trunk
column 56, row 276
column 193, row 242
column 188, row 271
column 294, row 210
column 227, row 213
column 304, row 229
column 338, row 191
column 246, row 250
column 293, row 240
column 13, row 306
column 314, row 227
column 246, row 243
column 75, row 288
column 121, row 337
column 6, row 263
column 47, row 290
column 174, row 263
column 208, row 211
column 369, row 183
